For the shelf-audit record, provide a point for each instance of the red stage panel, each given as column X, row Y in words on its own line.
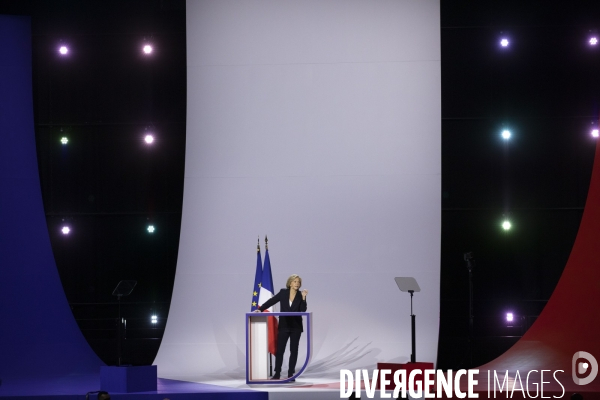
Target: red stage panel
column 570, row 322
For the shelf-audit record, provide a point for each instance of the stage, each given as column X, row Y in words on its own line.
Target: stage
column 76, row 386
column 352, row 203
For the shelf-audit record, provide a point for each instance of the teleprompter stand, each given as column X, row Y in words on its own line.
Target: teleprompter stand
column 127, row 378
column 410, row 285
column 124, row 288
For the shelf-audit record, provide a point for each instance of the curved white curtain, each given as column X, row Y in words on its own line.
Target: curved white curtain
column 317, row 123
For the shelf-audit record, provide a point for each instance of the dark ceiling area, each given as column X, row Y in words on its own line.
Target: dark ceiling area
column 108, row 185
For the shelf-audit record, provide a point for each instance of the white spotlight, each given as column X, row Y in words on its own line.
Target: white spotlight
column 595, row 132
column 64, row 140
column 593, row 41
column 147, row 49
column 151, row 229
column 65, row 230
column 154, row 319
column 509, row 317
column 149, row 139
column 506, row 134
column 64, row 50
column 506, row 225
column 504, row 42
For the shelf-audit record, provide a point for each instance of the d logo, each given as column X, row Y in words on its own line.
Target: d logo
column 582, row 367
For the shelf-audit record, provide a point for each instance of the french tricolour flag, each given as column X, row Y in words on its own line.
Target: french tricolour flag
column 266, row 292
column 257, row 278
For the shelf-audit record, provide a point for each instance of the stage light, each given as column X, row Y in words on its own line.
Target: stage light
column 154, row 319
column 509, row 317
column 149, row 139
column 595, row 132
column 64, row 140
column 593, row 41
column 64, row 50
column 506, row 225
column 151, row 229
column 506, row 134
column 65, row 230
column 504, row 42
column 147, row 49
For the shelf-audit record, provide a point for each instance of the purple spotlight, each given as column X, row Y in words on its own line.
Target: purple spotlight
column 65, row 230
column 147, row 49
column 149, row 139
column 64, row 50
column 509, row 317
column 504, row 42
column 595, row 132
column 593, row 41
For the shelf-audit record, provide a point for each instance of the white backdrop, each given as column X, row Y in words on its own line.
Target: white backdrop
column 317, row 123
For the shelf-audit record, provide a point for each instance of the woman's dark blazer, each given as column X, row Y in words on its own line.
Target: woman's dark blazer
column 287, row 324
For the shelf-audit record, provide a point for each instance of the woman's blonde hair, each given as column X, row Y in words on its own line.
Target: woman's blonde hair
column 288, row 284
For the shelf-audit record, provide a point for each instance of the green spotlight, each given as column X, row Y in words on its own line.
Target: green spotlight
column 506, row 225
column 64, row 140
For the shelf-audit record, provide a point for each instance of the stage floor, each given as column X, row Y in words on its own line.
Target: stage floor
column 75, row 386
column 304, row 388
column 309, row 387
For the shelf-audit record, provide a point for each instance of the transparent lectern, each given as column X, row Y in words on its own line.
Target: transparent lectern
column 256, row 346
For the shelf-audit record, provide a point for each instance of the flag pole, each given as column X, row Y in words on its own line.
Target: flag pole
column 270, row 355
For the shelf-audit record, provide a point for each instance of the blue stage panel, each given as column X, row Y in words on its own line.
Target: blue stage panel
column 38, row 334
